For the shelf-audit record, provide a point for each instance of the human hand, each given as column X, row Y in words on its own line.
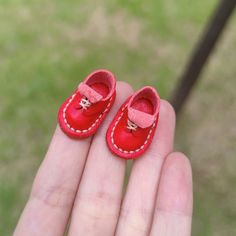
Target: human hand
column 81, row 181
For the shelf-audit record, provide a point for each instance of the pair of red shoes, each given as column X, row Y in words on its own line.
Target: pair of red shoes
column 132, row 129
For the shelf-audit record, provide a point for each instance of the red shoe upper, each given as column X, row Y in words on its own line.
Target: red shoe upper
column 133, row 127
column 82, row 113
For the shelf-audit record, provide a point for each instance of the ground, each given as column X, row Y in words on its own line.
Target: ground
column 47, row 47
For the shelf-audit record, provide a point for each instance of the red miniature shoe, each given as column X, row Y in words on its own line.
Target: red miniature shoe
column 82, row 113
column 132, row 130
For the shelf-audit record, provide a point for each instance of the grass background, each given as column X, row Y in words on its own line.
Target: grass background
column 47, row 47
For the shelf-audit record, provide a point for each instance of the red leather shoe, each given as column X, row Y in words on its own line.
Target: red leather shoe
column 132, row 130
column 82, row 113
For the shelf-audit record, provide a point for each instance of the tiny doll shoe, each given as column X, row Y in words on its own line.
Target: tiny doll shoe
column 82, row 113
column 132, row 130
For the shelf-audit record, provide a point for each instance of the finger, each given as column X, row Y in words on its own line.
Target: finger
column 137, row 208
column 54, row 188
column 98, row 199
column 173, row 212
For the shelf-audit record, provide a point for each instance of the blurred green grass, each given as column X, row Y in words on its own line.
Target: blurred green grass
column 47, row 47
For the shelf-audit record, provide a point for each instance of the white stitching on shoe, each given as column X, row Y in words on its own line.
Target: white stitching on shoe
column 84, row 130
column 133, row 151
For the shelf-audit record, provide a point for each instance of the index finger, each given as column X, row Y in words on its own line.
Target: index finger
column 54, row 187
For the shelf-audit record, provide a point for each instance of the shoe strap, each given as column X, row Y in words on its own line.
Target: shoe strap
column 140, row 118
column 89, row 93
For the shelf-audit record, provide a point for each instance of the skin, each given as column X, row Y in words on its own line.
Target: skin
column 79, row 186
